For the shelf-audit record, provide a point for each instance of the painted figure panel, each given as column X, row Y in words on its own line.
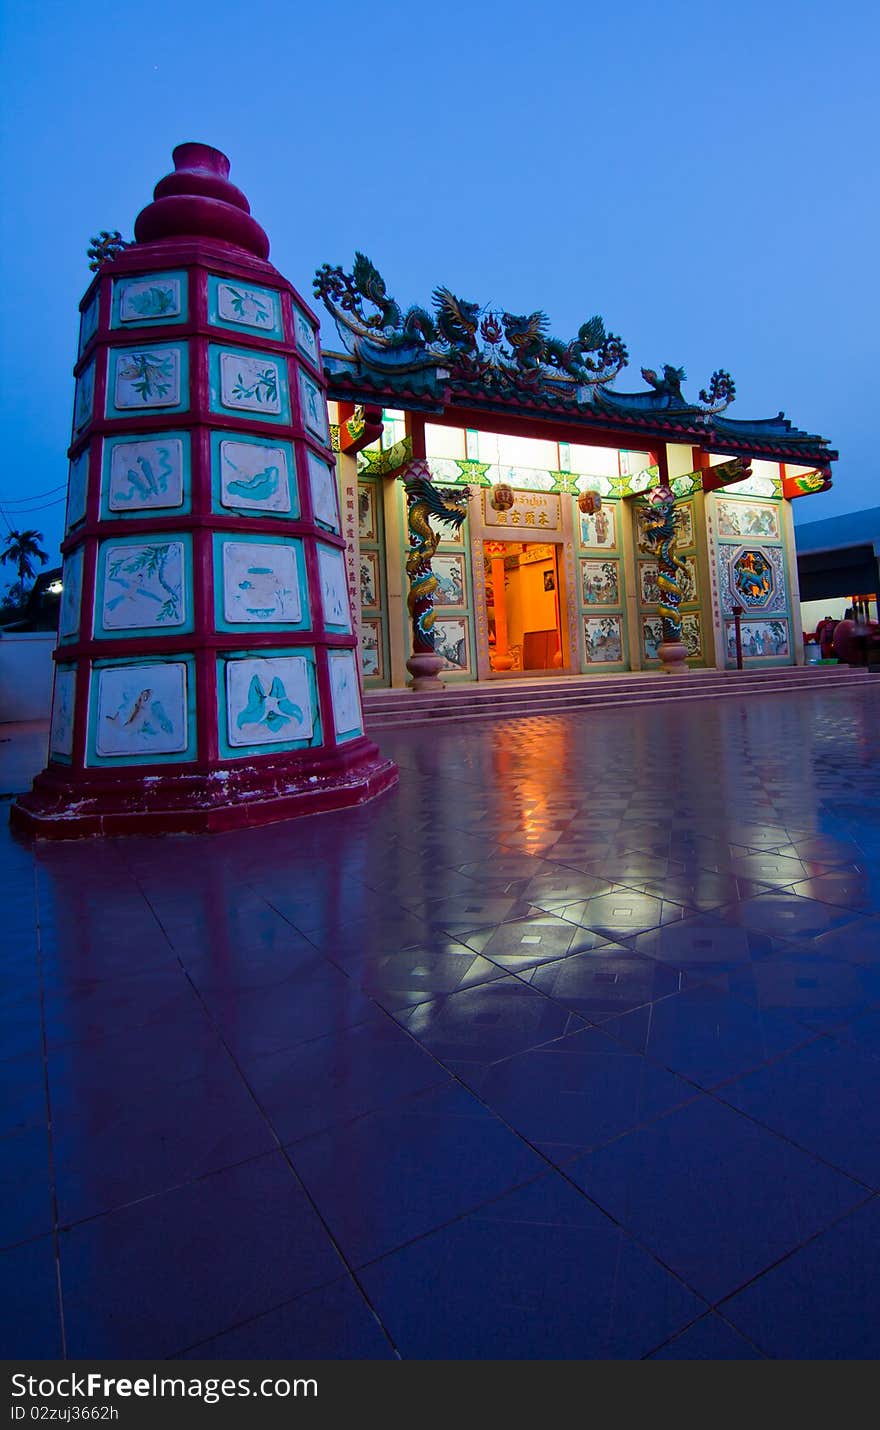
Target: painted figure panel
column 600, row 583
column 451, row 641
column 599, row 529
column 370, row 578
column 141, row 710
column 372, row 664
column 367, row 528
column 767, row 640
column 743, row 518
column 143, row 586
column 684, row 528
column 260, row 582
column 268, row 701
column 603, row 640
column 448, row 567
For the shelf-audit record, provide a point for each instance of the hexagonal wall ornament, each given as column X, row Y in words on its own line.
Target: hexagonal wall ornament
column 752, row 577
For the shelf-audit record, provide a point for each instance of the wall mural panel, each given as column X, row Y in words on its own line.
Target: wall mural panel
column 600, row 583
column 369, row 578
column 752, row 577
column 599, row 529
column 147, row 379
column 452, row 642
column 372, row 650
column 449, row 569
column 649, row 590
column 154, row 298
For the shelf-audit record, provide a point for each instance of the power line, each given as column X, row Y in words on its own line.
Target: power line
column 34, row 496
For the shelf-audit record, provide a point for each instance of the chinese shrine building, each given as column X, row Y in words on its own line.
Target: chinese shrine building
column 536, row 581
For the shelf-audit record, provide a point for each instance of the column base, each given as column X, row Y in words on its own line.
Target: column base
column 424, row 667
column 673, row 656
column 175, row 801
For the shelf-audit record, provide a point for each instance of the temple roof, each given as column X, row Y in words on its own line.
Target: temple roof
column 639, row 416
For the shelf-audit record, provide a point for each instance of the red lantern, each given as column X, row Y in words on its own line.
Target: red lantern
column 589, row 503
column 502, row 497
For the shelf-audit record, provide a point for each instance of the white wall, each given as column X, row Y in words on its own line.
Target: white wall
column 26, row 675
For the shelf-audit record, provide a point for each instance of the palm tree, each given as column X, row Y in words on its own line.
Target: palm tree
column 22, row 549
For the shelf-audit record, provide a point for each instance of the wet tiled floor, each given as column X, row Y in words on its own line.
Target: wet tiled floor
column 567, row 1047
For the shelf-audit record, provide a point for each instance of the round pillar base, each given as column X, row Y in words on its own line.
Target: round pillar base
column 179, row 802
column 673, row 655
column 424, row 667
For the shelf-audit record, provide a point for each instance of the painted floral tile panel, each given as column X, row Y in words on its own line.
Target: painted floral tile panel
column 143, row 586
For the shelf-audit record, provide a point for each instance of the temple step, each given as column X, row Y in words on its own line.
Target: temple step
column 385, row 709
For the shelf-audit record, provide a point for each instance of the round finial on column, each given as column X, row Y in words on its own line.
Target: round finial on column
column 198, row 200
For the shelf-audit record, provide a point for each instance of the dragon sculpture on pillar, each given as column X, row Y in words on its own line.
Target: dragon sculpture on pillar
column 446, row 505
column 661, row 523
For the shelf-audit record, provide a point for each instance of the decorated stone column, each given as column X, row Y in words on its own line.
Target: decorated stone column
column 448, row 506
column 206, row 670
column 661, row 527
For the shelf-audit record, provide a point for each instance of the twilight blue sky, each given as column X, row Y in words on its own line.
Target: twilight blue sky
column 702, row 175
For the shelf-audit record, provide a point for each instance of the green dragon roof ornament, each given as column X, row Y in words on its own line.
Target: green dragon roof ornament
column 475, row 345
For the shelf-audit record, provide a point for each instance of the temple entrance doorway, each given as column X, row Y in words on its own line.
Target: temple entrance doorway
column 523, row 606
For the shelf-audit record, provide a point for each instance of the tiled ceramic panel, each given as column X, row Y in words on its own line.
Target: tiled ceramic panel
column 322, row 485
column 306, row 336
column 449, row 569
column 77, row 490
column 603, row 640
column 143, row 585
column 71, row 596
column 345, row 693
column 148, row 379
column 252, row 309
column 145, row 473
column 761, row 640
column 691, row 636
column 372, row 652
column 269, row 700
column 141, row 711
column 151, row 298
column 334, row 588
column 314, row 408
column 63, row 698
column 84, row 398
column 249, row 383
column 88, row 325
column 251, row 475
column 262, row 582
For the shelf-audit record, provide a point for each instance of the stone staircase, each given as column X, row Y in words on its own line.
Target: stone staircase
column 560, row 695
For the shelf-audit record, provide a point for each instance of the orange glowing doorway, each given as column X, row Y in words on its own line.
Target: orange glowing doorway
column 523, row 605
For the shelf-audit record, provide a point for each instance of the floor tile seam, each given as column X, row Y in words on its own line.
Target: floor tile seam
column 693, row 985
column 50, row 1143
column 280, row 1306
column 554, row 1168
column 814, row 1236
column 757, row 1121
column 698, row 1320
column 397, row 1104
